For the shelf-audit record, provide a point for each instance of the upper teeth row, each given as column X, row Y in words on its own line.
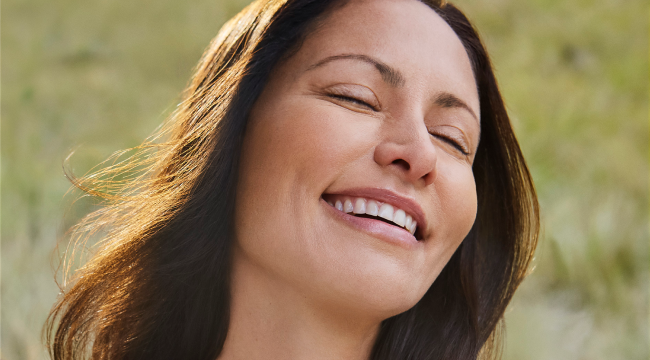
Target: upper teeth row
column 372, row 207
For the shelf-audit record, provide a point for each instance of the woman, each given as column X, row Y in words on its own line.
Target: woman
column 341, row 181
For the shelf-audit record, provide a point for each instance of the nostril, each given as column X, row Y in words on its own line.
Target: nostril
column 402, row 163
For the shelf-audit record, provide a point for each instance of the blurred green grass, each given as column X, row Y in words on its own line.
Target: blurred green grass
column 99, row 76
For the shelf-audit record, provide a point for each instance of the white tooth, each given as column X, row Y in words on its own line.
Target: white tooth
column 330, row 202
column 347, row 206
column 339, row 205
column 360, row 206
column 414, row 226
column 372, row 208
column 400, row 217
column 407, row 223
column 386, row 212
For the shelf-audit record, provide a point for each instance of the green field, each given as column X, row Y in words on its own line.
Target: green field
column 98, row 76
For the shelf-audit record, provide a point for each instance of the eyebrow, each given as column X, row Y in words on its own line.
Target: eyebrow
column 395, row 78
column 447, row 100
column 390, row 75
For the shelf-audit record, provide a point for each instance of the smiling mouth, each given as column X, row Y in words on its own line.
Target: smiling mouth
column 376, row 210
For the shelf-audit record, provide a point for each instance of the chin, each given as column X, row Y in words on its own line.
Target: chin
column 378, row 294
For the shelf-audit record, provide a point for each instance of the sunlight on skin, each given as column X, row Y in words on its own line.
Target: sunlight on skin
column 371, row 106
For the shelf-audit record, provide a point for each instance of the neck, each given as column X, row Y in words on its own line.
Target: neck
column 271, row 320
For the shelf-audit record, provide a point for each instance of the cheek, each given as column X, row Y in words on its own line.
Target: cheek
column 300, row 145
column 455, row 213
column 292, row 151
column 459, row 202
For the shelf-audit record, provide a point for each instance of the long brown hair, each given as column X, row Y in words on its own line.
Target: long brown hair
column 159, row 284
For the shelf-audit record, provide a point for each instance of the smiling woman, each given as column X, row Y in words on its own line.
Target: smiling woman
column 340, row 182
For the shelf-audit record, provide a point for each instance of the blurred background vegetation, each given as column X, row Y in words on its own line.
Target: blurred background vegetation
column 97, row 76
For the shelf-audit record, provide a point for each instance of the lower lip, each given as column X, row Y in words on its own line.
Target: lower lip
column 377, row 228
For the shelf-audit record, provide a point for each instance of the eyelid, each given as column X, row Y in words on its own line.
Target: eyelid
column 353, row 100
column 356, row 93
column 452, row 140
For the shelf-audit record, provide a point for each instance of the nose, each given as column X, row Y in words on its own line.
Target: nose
column 406, row 149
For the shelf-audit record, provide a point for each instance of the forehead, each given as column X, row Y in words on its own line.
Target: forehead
column 405, row 34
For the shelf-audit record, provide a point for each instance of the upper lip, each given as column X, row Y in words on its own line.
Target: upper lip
column 407, row 204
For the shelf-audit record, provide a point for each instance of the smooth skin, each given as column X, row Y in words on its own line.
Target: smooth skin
column 380, row 96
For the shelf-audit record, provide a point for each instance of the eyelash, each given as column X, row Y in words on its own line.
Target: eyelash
column 352, row 100
column 452, row 142
column 446, row 139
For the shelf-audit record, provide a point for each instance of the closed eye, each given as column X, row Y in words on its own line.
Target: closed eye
column 452, row 142
column 352, row 100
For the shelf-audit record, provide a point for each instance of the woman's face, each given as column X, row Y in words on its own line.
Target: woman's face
column 370, row 127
